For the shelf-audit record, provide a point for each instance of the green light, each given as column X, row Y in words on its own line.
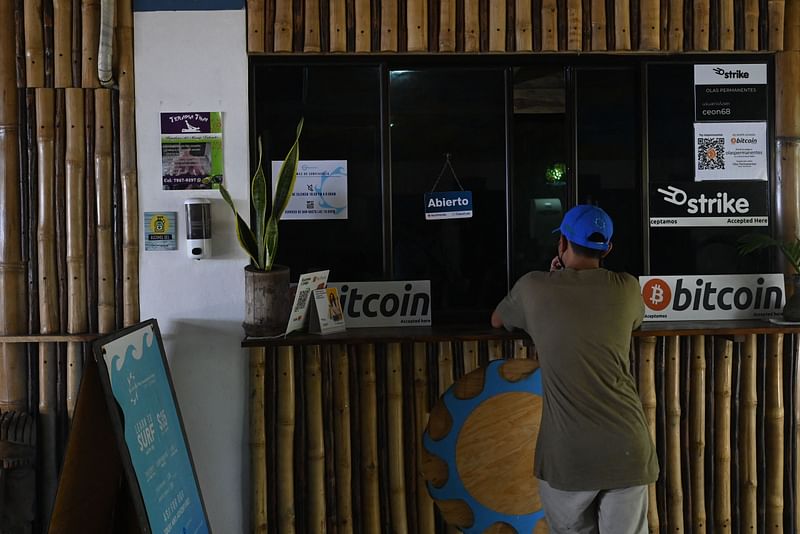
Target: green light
column 555, row 173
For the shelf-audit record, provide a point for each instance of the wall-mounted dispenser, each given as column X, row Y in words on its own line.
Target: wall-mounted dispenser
column 198, row 227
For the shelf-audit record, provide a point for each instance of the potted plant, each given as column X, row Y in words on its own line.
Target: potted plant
column 267, row 298
column 791, row 251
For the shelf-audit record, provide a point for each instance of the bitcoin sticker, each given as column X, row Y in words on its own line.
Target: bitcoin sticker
column 656, row 294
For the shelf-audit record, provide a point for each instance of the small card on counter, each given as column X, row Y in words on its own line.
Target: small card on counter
column 302, row 298
column 326, row 315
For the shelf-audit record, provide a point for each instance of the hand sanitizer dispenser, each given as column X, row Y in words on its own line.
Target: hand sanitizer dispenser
column 198, row 228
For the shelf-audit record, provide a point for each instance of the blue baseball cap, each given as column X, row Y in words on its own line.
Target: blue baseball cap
column 584, row 220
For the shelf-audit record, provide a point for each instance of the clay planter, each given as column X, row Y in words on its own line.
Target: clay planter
column 267, row 302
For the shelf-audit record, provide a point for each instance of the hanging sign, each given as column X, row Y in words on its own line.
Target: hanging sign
column 191, row 150
column 320, row 191
column 159, row 230
column 730, row 151
column 733, row 93
column 721, row 297
column 448, row 205
column 368, row 304
column 709, row 204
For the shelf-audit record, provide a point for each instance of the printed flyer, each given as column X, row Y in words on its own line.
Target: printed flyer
column 191, row 150
column 730, row 151
column 320, row 191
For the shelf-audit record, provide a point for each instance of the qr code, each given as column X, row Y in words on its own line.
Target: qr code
column 302, row 298
column 710, row 153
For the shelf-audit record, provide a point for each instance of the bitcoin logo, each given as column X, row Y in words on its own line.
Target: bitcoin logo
column 656, row 294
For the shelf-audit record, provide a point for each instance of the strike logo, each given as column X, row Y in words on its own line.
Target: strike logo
column 656, row 294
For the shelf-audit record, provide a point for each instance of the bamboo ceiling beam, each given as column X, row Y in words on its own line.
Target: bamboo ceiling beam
column 312, row 35
column 649, row 25
column 338, row 26
column 599, row 25
column 447, row 25
column 472, row 26
column 90, row 39
column 497, row 25
column 523, row 26
column 417, row 22
column 622, row 25
column 363, row 25
column 775, row 11
column 751, row 25
column 549, row 26
column 700, row 21
column 675, row 33
column 574, row 25
column 726, row 25
column 388, row 25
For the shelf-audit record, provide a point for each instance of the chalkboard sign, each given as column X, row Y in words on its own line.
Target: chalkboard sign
column 147, row 422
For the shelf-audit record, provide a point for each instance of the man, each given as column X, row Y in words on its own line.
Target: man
column 594, row 456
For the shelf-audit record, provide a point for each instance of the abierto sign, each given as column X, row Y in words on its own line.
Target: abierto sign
column 375, row 304
column 705, row 298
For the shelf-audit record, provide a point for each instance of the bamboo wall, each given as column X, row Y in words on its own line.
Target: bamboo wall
column 68, row 208
column 336, row 432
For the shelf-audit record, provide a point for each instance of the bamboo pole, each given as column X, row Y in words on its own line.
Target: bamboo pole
column 574, row 25
column 470, row 351
column 285, row 440
column 34, row 44
column 523, row 25
column 62, row 42
column 425, row 515
column 389, row 26
column 775, row 10
column 795, row 356
column 599, row 25
column 700, row 21
column 48, row 297
column 726, row 25
column 748, row 401
column 338, row 26
column 341, row 396
column 311, row 26
column 549, row 26
column 258, row 440
column 622, row 25
column 77, row 318
column 104, row 177
column 751, row 24
column 46, row 230
column 130, row 190
column 91, row 212
column 520, row 350
column 697, row 425
column 495, row 350
column 394, row 418
column 13, row 367
column 773, row 428
column 315, row 452
column 363, row 26
column 445, row 366
column 417, row 25
column 472, row 26
column 370, row 497
column 676, row 25
column 649, row 13
column 497, row 26
column 723, row 371
column 791, row 36
column 76, row 43
column 447, row 25
column 255, row 26
column 673, row 452
column 90, row 34
column 647, row 394
column 283, row 26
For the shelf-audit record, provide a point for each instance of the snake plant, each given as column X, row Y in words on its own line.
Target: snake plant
column 790, row 249
column 262, row 244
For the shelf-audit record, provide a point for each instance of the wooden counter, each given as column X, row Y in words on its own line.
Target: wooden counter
column 336, row 423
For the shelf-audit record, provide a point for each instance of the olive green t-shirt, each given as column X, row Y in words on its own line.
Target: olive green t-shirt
column 593, row 433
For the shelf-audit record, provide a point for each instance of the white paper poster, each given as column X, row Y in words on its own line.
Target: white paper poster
column 320, row 191
column 730, row 151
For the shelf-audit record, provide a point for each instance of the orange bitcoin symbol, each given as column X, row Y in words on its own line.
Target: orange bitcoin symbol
column 656, row 294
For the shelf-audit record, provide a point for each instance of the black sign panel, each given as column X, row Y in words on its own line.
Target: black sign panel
column 722, row 103
column 715, row 203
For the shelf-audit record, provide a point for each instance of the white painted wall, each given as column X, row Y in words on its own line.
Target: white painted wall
column 196, row 61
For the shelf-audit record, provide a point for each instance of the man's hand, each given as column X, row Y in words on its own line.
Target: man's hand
column 497, row 321
column 555, row 264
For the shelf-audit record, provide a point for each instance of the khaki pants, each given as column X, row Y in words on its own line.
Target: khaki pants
column 617, row 511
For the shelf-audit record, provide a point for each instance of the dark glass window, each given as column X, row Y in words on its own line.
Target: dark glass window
column 434, row 113
column 341, row 106
column 688, row 250
column 609, row 163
